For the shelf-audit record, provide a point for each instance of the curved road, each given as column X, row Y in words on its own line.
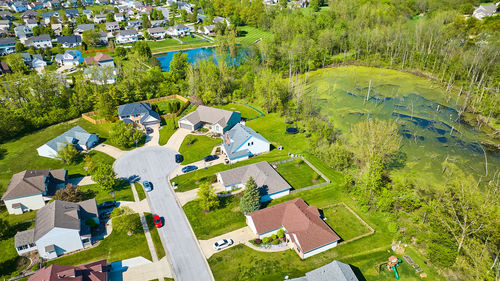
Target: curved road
column 154, row 164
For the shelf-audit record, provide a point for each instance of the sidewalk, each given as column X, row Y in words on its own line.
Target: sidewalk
column 110, row 150
column 151, row 245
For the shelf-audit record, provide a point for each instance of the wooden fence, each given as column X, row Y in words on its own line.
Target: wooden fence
column 89, row 116
column 99, row 50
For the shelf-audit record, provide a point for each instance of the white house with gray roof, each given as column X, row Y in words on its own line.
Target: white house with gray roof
column 241, row 142
column 335, row 270
column 216, row 120
column 139, row 114
column 77, row 136
column 485, row 11
column 271, row 185
column 60, row 227
column 31, row 189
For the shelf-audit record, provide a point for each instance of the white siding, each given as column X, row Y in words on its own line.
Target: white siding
column 65, row 240
column 251, row 224
column 320, row 250
column 33, row 202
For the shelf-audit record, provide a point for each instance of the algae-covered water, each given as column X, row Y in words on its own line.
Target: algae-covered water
column 428, row 119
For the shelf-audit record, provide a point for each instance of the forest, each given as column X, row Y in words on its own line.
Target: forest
column 455, row 222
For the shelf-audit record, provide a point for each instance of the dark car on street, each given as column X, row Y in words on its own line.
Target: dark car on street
column 107, row 205
column 178, row 158
column 210, row 158
column 147, row 185
column 189, row 168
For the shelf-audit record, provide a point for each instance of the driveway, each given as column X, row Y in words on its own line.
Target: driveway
column 110, row 150
column 153, row 138
column 239, row 236
column 200, row 164
column 155, row 164
column 175, row 141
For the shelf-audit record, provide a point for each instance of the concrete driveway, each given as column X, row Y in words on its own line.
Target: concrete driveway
column 200, row 164
column 153, row 138
column 155, row 164
column 175, row 141
column 239, row 236
column 110, row 150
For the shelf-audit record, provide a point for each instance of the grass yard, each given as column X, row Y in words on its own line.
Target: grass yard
column 194, row 147
column 250, row 34
column 160, row 251
column 167, row 130
column 298, row 174
column 226, row 218
column 173, row 45
column 122, row 192
column 140, row 191
column 246, row 111
column 343, row 222
column 117, row 246
column 189, row 181
column 163, row 106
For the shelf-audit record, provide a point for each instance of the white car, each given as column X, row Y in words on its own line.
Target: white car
column 221, row 244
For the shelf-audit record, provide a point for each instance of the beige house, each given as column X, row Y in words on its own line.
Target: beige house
column 218, row 121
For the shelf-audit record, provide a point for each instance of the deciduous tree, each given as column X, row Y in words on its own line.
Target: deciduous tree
column 104, row 175
column 207, row 197
column 68, row 153
column 70, row 193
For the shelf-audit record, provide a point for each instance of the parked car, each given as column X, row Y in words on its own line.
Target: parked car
column 178, row 158
column 147, row 185
column 157, row 221
column 107, row 204
column 226, row 161
column 224, row 243
column 211, row 158
column 72, row 69
column 149, row 130
column 189, row 168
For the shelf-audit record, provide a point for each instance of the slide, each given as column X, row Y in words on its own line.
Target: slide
column 395, row 272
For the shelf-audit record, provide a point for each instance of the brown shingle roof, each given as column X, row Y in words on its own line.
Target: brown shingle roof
column 94, row 271
column 302, row 222
column 32, row 182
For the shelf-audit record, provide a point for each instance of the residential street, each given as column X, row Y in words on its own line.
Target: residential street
column 154, row 164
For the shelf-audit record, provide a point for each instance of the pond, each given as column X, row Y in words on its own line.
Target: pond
column 427, row 117
column 196, row 55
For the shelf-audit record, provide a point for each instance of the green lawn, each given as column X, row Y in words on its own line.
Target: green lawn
column 246, row 111
column 163, row 106
column 227, row 217
column 140, row 191
column 298, row 174
column 250, row 34
column 167, row 130
column 122, row 192
column 195, row 147
column 343, row 222
column 117, row 246
column 160, row 251
column 193, row 179
column 173, row 45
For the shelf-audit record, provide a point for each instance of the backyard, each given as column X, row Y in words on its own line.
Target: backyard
column 196, row 147
column 251, row 34
column 165, row 106
column 172, row 44
column 343, row 222
column 246, row 111
column 227, row 217
column 122, row 192
column 160, row 251
column 167, row 130
column 298, row 174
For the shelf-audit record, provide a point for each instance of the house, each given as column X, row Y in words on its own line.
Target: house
column 139, row 114
column 119, row 17
column 100, row 75
column 18, row 7
column 87, row 13
column 218, row 121
column 72, row 13
column 30, row 189
column 83, row 27
column 335, row 270
column 7, row 45
column 304, row 227
column 29, row 14
column 221, row 19
column 5, row 24
column 112, row 26
column 137, row 24
column 4, row 68
column 241, row 142
column 485, row 11
column 31, row 23
column 54, row 4
column 41, row 41
column 157, row 23
column 36, row 5
column 178, row 30
column 270, row 183
column 103, row 37
column 22, row 32
column 157, row 32
column 60, row 227
column 188, row 7
column 38, row 62
column 101, row 18
column 207, row 29
column 102, row 60
column 127, row 36
column 57, row 28
column 78, row 137
column 6, row 15
column 70, row 41
column 48, row 15
column 92, row 271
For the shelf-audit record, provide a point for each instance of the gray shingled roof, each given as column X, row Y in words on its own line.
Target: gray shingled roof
column 76, row 133
column 156, row 30
column 335, row 270
column 85, row 26
column 209, row 115
column 127, row 32
column 134, row 108
column 24, row 237
column 31, row 182
column 265, row 176
column 70, row 39
column 238, row 135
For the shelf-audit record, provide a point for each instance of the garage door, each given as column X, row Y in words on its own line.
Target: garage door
column 185, row 126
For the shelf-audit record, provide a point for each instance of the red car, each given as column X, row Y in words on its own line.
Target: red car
column 157, row 221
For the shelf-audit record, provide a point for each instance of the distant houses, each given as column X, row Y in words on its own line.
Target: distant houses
column 485, row 11
column 242, row 142
column 127, row 36
column 70, row 57
column 179, row 30
column 102, row 60
column 70, row 41
column 76, row 136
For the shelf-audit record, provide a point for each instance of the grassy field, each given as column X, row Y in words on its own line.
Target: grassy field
column 343, row 222
column 194, row 148
column 160, row 251
column 298, row 174
column 173, row 45
column 191, row 181
column 246, row 111
column 250, row 34
column 117, row 246
column 122, row 192
column 140, row 191
column 227, row 217
column 163, row 106
column 167, row 130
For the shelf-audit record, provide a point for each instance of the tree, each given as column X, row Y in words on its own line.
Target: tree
column 250, row 202
column 120, row 52
column 145, row 21
column 128, row 223
column 4, row 229
column 67, row 30
column 20, row 47
column 110, row 17
column 16, row 64
column 106, row 105
column 374, row 138
column 104, row 175
column 178, row 66
column 315, row 5
column 91, row 37
column 142, row 49
column 125, row 135
column 89, row 162
column 67, row 154
column 121, row 211
column 207, row 196
column 70, row 193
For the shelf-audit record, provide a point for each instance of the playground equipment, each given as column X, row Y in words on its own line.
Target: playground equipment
column 393, row 264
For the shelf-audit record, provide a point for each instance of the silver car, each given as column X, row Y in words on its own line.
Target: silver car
column 221, row 244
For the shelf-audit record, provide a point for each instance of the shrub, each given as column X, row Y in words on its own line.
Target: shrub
column 392, row 227
column 274, row 237
column 257, row 241
column 365, row 209
column 35, row 267
column 265, row 240
column 275, row 242
column 281, row 233
column 316, row 176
